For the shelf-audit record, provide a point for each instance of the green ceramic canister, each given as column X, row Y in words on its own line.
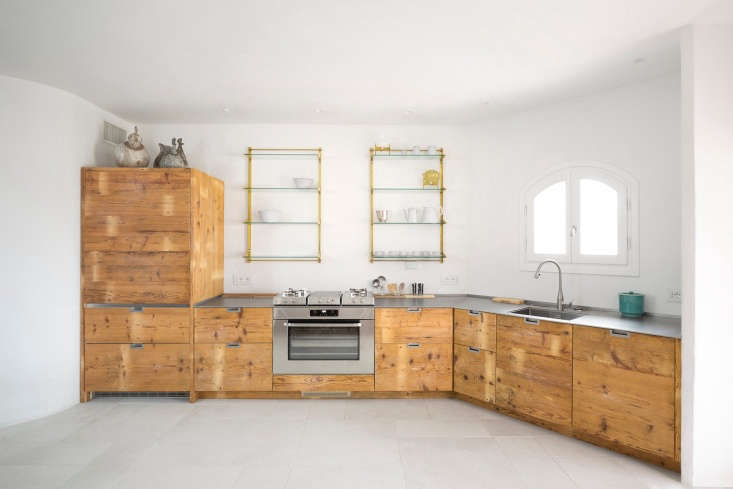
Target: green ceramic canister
column 631, row 304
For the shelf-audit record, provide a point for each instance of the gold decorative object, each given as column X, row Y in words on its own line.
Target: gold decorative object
column 253, row 153
column 431, row 178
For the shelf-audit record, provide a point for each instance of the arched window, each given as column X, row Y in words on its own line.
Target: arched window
column 583, row 216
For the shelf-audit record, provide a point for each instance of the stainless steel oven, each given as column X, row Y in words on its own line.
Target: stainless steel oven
column 321, row 339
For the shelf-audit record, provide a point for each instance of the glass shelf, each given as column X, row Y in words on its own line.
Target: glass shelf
column 407, row 258
column 406, row 155
column 306, row 189
column 280, row 222
column 314, row 155
column 410, row 223
column 284, row 257
column 421, row 189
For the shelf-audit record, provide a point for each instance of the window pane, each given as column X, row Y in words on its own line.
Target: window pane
column 598, row 218
column 550, row 220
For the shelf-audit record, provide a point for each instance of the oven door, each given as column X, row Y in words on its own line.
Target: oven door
column 323, row 347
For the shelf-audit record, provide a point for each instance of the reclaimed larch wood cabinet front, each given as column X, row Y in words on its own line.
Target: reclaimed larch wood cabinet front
column 624, row 390
column 534, row 370
column 233, row 349
column 151, row 246
column 474, row 354
column 413, row 349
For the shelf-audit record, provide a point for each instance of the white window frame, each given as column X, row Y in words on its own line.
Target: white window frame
column 626, row 263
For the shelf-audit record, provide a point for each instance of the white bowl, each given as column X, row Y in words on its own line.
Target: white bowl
column 269, row 215
column 303, row 182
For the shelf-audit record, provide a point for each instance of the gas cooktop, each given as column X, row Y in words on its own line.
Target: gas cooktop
column 302, row 297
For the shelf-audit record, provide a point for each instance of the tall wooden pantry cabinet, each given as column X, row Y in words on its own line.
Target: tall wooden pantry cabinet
column 152, row 246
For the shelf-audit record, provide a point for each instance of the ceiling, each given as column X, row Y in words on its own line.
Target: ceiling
column 336, row 61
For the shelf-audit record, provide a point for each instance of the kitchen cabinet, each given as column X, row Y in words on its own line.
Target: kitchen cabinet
column 137, row 325
column 137, row 367
column 151, row 236
column 474, row 354
column 624, row 390
column 233, row 367
column 413, row 349
column 233, row 349
column 534, row 370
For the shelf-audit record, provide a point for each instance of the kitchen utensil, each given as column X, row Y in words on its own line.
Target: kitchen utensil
column 382, row 215
column 269, row 215
column 414, row 288
column 375, row 283
column 303, row 182
column 382, row 281
column 420, row 288
column 430, row 214
column 631, row 304
column 411, row 214
column 392, row 288
column 402, row 288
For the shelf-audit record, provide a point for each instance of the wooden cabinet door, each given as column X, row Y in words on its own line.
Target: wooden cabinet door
column 477, row 329
column 135, row 278
column 413, row 367
column 234, row 325
column 119, row 367
column 136, row 209
column 234, row 367
column 534, row 369
column 624, row 389
column 474, row 372
column 129, row 325
column 407, row 325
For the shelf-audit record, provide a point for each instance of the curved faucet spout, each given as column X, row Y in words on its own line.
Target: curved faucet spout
column 560, row 298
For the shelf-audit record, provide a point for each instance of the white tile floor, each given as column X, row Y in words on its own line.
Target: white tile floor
column 263, row 444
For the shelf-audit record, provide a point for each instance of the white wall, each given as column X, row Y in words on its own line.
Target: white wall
column 707, row 435
column 219, row 149
column 635, row 128
column 46, row 135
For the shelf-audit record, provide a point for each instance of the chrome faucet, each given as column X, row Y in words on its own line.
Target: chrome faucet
column 560, row 298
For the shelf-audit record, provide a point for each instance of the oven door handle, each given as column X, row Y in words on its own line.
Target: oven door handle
column 322, row 325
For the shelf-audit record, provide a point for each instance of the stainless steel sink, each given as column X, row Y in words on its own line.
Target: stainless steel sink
column 544, row 312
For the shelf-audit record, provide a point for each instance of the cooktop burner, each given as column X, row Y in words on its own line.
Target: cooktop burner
column 302, row 297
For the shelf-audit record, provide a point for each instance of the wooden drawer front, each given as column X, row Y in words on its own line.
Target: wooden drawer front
column 414, row 325
column 123, row 325
column 234, row 367
column 474, row 329
column 136, row 210
column 474, row 372
column 402, row 367
column 140, row 278
column 624, row 389
column 123, row 368
column 534, row 370
column 323, row 383
column 222, row 325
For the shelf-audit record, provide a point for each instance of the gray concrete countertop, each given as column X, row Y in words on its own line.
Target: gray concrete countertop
column 670, row 327
column 227, row 301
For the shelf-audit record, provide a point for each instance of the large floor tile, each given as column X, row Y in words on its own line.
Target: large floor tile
column 508, row 426
column 533, row 464
column 263, row 476
column 449, row 428
column 359, row 409
column 65, row 452
column 258, row 409
column 387, row 475
column 178, row 477
column 457, row 409
column 34, row 476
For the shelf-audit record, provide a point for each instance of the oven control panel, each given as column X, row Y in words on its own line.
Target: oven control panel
column 324, row 313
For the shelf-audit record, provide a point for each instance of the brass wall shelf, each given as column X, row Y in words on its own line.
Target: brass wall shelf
column 379, row 152
column 309, row 154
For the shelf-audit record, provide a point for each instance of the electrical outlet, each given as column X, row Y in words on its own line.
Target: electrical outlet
column 240, row 279
column 449, row 280
column 674, row 295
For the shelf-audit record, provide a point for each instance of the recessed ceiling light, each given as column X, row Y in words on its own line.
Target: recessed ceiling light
column 318, row 110
column 226, row 109
column 409, row 111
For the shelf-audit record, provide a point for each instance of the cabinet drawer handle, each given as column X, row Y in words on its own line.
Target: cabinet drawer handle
column 233, row 345
column 234, row 309
column 531, row 321
column 413, row 345
column 473, row 349
column 414, row 309
column 136, row 309
column 620, row 334
column 136, row 346
column 471, row 312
